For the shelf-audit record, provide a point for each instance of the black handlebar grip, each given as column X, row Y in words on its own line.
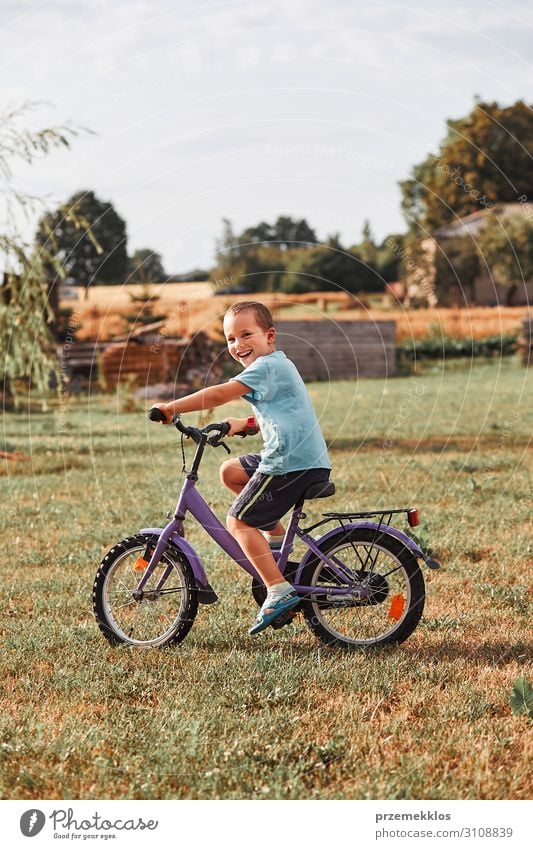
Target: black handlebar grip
column 248, row 431
column 156, row 415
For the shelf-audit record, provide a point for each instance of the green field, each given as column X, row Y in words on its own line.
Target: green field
column 225, row 715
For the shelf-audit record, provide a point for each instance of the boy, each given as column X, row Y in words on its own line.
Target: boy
column 294, row 455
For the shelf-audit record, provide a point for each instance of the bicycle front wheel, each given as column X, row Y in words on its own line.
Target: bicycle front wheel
column 392, row 599
column 163, row 614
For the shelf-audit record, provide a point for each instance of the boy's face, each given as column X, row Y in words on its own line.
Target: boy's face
column 246, row 339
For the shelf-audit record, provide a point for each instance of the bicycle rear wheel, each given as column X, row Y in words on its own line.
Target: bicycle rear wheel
column 164, row 613
column 386, row 569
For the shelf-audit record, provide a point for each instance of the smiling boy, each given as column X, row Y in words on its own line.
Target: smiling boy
column 294, row 454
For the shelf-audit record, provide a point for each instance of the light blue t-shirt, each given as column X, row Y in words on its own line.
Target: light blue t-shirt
column 282, row 407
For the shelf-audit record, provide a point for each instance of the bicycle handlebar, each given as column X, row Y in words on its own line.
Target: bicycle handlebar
column 223, row 427
column 195, row 433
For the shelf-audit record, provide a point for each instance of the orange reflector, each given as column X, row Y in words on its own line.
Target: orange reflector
column 140, row 564
column 413, row 517
column 397, row 604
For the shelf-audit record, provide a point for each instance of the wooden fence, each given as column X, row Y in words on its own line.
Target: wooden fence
column 330, row 350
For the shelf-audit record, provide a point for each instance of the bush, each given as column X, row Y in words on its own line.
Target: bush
column 446, row 347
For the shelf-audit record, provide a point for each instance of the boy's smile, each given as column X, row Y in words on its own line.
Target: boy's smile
column 246, row 339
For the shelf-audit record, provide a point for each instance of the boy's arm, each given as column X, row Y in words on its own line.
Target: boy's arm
column 205, row 399
column 240, row 425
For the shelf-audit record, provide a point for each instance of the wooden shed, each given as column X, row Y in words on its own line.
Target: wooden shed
column 333, row 350
column 145, row 357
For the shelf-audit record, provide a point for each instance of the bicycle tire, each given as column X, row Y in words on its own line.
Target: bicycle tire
column 397, row 573
column 125, row 620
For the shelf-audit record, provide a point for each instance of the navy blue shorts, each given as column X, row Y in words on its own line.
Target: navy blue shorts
column 266, row 498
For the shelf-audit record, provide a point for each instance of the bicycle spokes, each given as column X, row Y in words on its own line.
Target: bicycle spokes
column 143, row 616
column 360, row 605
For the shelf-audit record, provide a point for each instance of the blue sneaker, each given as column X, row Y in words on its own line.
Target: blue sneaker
column 272, row 609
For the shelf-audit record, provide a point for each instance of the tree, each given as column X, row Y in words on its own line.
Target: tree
column 286, row 232
column 456, row 268
column 94, row 253
column 506, row 250
column 485, row 158
column 289, row 232
column 262, row 232
column 242, row 262
column 267, row 257
column 227, row 255
column 27, row 349
column 329, row 268
column 146, row 266
column 367, row 248
column 389, row 257
column 383, row 258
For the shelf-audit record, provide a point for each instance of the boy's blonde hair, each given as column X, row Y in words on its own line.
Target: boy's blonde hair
column 262, row 314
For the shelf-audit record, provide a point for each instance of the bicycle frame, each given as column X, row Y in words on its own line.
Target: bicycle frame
column 360, row 563
column 190, row 500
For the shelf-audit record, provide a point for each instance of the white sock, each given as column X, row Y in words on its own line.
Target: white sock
column 279, row 590
column 273, row 537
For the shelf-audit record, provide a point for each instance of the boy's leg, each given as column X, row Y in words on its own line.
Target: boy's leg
column 260, row 504
column 257, row 550
column 235, row 478
column 233, row 475
column 281, row 597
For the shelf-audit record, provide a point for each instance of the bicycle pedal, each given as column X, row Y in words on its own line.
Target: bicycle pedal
column 282, row 620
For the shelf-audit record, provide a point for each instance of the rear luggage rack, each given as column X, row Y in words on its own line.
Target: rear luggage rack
column 367, row 513
column 385, row 516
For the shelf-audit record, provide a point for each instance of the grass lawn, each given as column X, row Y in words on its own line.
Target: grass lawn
column 225, row 715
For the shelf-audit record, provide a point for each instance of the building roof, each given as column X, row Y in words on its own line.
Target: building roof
column 472, row 224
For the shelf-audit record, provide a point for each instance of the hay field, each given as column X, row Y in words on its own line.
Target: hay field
column 190, row 307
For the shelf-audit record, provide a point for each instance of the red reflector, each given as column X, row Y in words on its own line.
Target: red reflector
column 397, row 606
column 413, row 517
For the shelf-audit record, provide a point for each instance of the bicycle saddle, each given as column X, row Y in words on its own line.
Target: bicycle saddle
column 322, row 489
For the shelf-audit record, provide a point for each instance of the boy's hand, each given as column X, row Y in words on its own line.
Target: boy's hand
column 236, row 426
column 168, row 413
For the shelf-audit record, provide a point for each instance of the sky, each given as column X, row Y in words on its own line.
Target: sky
column 250, row 110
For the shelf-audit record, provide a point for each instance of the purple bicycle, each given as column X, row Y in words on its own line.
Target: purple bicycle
column 360, row 582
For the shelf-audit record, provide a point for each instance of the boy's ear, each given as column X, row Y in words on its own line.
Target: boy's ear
column 271, row 334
